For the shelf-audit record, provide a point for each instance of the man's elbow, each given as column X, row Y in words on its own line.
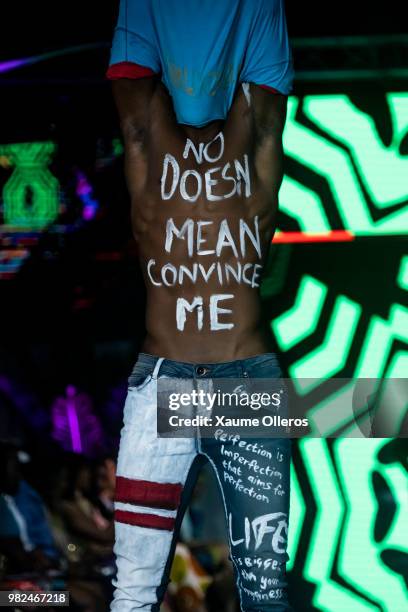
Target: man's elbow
column 133, row 132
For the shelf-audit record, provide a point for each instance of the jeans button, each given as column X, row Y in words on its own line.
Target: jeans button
column 201, row 370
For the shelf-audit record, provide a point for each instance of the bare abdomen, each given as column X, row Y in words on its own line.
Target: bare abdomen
column 202, row 285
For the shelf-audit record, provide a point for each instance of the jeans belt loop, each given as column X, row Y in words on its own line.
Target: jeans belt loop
column 157, row 367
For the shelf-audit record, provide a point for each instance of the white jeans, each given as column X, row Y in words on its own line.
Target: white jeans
column 155, row 478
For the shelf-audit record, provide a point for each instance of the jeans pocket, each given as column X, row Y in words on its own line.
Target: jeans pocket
column 140, row 376
column 265, row 366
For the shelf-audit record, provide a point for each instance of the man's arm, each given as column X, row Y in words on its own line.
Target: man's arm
column 269, row 111
column 133, row 100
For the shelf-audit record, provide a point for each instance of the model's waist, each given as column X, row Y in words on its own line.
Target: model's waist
column 260, row 365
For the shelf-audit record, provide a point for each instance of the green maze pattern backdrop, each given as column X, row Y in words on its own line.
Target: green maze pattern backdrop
column 30, row 176
column 339, row 309
column 336, row 308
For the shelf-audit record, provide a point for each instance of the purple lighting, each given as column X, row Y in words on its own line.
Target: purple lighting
column 74, row 425
column 73, row 419
column 84, row 191
column 12, row 64
column 9, row 65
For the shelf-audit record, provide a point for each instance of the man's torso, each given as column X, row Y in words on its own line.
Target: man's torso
column 203, row 222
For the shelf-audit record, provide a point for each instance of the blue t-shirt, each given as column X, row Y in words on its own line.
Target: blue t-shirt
column 204, row 48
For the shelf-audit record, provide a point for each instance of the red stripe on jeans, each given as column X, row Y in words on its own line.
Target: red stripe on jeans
column 152, row 521
column 147, row 493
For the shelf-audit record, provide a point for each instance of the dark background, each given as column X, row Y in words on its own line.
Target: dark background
column 35, row 27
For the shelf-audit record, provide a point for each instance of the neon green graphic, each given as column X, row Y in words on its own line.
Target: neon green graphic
column 382, row 170
column 329, row 358
column 302, row 319
column 355, row 460
column 347, row 509
column 297, row 514
column 117, row 147
column 333, row 412
column 378, row 342
column 330, row 514
column 361, row 158
column 304, row 205
column 31, row 194
column 336, row 141
column 402, row 279
column 399, row 365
